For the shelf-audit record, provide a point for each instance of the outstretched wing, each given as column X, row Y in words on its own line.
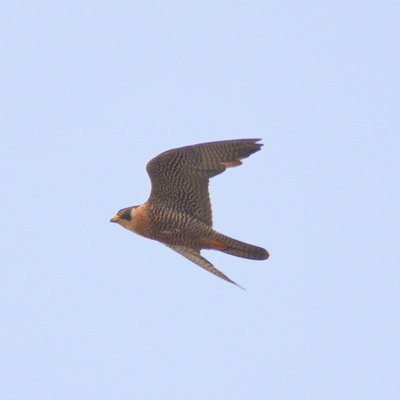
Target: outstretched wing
column 179, row 177
column 194, row 256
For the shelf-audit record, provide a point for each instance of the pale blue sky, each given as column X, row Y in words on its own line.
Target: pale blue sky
column 91, row 91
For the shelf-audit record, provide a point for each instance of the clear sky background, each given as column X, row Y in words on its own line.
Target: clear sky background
column 91, row 91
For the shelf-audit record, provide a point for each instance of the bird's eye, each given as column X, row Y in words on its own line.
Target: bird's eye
column 126, row 214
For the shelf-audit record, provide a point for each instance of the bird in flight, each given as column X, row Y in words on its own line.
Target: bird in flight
column 178, row 211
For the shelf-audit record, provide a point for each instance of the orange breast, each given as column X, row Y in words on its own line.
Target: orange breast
column 141, row 222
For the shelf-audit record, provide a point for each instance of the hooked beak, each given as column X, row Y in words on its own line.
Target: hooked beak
column 115, row 218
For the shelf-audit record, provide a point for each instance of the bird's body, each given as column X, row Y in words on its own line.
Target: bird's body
column 178, row 211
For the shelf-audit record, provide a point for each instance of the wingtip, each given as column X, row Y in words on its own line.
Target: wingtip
column 255, row 142
column 241, row 287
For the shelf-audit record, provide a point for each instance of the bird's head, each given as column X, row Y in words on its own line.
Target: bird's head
column 124, row 216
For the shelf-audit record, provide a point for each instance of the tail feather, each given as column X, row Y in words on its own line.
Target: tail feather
column 240, row 249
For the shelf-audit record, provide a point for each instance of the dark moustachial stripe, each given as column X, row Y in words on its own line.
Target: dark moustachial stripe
column 126, row 214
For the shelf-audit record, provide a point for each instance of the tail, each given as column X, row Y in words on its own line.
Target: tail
column 236, row 248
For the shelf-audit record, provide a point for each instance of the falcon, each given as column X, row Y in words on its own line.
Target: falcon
column 178, row 211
